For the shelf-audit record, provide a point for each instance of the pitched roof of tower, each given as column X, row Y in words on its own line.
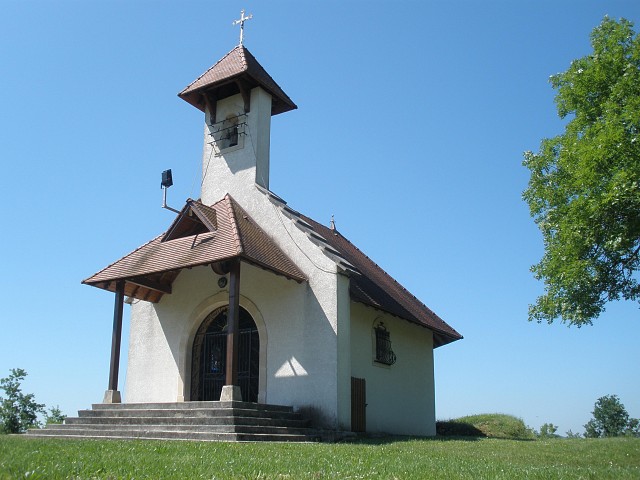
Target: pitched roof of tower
column 238, row 68
column 200, row 235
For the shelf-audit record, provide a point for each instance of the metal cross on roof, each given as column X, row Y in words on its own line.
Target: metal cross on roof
column 241, row 21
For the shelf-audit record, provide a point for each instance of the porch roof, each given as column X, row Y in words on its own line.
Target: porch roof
column 200, row 235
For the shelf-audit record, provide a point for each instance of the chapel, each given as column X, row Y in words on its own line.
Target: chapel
column 245, row 299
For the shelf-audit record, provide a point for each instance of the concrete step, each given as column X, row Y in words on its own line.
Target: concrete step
column 205, row 421
column 175, row 435
column 180, row 428
column 190, row 413
column 228, row 420
column 191, row 405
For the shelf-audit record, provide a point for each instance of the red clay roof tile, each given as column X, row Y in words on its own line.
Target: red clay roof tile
column 376, row 288
column 238, row 64
column 158, row 262
column 236, row 235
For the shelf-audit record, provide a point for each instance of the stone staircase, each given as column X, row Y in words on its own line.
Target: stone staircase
column 202, row 421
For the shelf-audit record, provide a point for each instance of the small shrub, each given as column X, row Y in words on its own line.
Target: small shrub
column 548, row 430
column 55, row 416
column 18, row 411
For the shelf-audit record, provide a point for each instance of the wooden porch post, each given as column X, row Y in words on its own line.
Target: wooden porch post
column 231, row 389
column 112, row 395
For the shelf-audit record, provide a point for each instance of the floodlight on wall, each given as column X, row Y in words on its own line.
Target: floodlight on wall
column 167, row 181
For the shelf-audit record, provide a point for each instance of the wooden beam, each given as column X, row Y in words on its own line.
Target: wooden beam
column 116, row 336
column 246, row 95
column 150, row 284
column 211, row 103
column 233, row 321
column 135, row 290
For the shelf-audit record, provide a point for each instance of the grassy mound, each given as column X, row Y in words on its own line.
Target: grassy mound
column 492, row 425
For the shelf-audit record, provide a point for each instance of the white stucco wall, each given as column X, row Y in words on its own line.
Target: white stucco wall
column 301, row 359
column 400, row 397
column 238, row 168
column 298, row 340
column 152, row 373
column 302, row 362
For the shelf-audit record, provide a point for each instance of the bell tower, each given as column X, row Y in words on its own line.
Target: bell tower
column 238, row 98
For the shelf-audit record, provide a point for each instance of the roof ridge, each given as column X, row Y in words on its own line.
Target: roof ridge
column 159, row 263
column 200, row 212
column 404, row 289
column 375, row 264
column 237, row 64
column 408, row 308
column 243, row 56
column 336, row 232
column 212, row 67
column 234, row 222
column 246, row 51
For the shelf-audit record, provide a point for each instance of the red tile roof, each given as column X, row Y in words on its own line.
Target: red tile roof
column 200, row 235
column 376, row 288
column 369, row 284
column 239, row 65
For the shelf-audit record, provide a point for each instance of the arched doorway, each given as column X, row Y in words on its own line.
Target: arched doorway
column 210, row 353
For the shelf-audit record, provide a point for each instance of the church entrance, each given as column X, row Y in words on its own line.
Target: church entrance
column 210, row 353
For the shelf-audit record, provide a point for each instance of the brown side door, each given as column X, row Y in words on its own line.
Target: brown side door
column 358, row 405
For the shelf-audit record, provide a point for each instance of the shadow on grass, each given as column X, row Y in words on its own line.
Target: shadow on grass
column 388, row 439
column 453, row 428
column 445, row 431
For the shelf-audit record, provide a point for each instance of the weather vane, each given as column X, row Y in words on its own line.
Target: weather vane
column 241, row 23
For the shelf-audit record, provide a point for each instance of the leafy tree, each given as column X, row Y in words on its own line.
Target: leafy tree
column 18, row 411
column 633, row 429
column 610, row 419
column 55, row 415
column 548, row 430
column 584, row 189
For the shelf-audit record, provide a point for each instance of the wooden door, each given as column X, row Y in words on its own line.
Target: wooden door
column 358, row 405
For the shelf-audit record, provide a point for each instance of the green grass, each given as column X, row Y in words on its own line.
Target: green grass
column 616, row 458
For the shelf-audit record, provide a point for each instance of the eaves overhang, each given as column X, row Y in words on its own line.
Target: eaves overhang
column 200, row 235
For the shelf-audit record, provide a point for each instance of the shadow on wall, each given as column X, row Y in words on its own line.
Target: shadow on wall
column 303, row 363
column 316, row 417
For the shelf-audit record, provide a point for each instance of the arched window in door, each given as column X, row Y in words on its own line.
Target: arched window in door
column 209, row 355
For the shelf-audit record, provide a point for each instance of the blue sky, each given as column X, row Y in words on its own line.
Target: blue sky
column 412, row 120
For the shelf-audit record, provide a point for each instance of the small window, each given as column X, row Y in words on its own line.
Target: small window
column 384, row 353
